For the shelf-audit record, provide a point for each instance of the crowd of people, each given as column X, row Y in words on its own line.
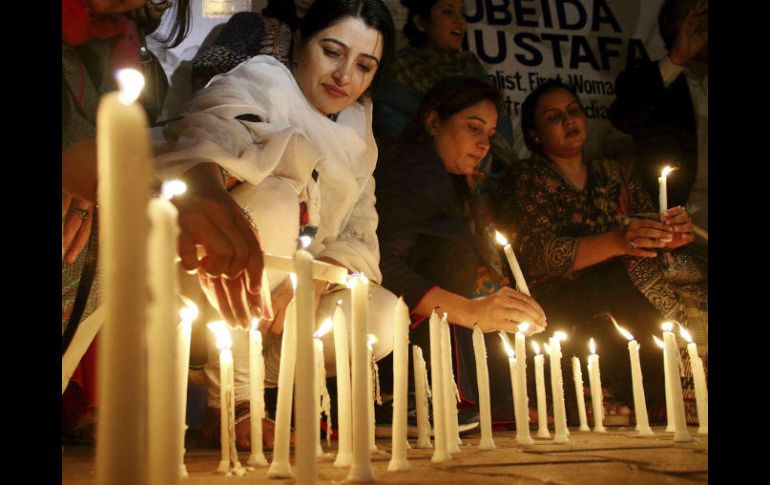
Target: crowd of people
column 305, row 121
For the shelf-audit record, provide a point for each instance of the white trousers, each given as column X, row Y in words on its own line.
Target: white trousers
column 274, row 207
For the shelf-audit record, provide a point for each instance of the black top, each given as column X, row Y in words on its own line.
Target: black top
column 424, row 238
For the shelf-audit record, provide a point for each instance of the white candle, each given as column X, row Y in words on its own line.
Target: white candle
column 321, row 270
column 557, row 389
column 514, row 381
column 640, row 404
column 184, row 333
column 401, row 320
column 123, row 153
column 373, row 389
column 681, row 435
column 577, row 376
column 280, row 466
column 663, row 190
column 440, row 451
column 523, row 436
column 256, row 394
column 162, row 422
column 342, row 357
column 595, row 381
column 323, row 406
column 422, row 392
column 699, row 379
column 450, row 395
column 361, row 468
column 305, row 416
column 669, row 402
column 229, row 462
column 542, row 413
column 518, row 275
column 487, row 442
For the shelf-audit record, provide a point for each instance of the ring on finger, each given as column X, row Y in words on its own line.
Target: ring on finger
column 82, row 213
column 632, row 243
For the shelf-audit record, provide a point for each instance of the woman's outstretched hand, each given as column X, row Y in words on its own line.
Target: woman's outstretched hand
column 505, row 309
column 641, row 236
column 679, row 222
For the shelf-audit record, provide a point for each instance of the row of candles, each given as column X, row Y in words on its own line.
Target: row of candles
column 138, row 240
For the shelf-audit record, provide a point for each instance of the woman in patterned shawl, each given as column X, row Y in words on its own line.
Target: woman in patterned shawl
column 589, row 250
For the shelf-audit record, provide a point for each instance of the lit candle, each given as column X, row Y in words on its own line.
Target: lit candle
column 162, row 348
column 123, row 152
column 373, row 389
column 398, row 460
column 280, row 466
column 542, row 413
column 699, row 378
column 487, row 442
column 577, row 376
column 640, row 404
column 514, row 382
column 421, row 392
column 681, row 435
column 450, row 395
column 361, row 468
column 184, row 333
column 322, row 393
column 256, row 394
column 440, row 451
column 663, row 189
column 305, row 416
column 342, row 357
column 229, row 462
column 518, row 275
column 557, row 389
column 595, row 381
column 669, row 402
column 523, row 436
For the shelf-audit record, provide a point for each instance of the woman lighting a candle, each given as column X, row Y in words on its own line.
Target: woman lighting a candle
column 298, row 145
column 586, row 249
column 429, row 253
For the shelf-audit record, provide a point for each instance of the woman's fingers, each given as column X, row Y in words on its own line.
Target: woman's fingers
column 235, row 290
column 81, row 240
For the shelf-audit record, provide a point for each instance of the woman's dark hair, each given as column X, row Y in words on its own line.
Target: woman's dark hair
column 449, row 96
column 374, row 13
column 282, row 10
column 530, row 103
column 422, row 8
column 181, row 24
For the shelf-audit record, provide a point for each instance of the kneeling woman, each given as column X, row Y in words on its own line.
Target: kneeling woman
column 298, row 143
column 428, row 251
column 591, row 244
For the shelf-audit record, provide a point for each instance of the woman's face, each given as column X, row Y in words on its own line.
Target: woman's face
column 337, row 65
column 560, row 124
column 446, row 25
column 462, row 140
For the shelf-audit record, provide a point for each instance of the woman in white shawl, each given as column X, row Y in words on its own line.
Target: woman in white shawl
column 300, row 143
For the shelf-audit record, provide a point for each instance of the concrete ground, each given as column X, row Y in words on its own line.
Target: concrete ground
column 618, row 457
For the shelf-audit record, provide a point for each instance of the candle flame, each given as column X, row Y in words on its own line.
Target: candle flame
column 339, row 302
column 371, row 339
column 547, row 348
column 659, row 342
column 592, row 346
column 667, row 326
column 255, row 324
column 324, row 328
column 222, row 334
column 666, row 170
column 622, row 330
column 523, row 327
column 685, row 334
column 535, row 347
column 501, row 240
column 131, row 83
column 508, row 348
column 305, row 241
column 171, row 188
column 559, row 335
column 352, row 278
column 189, row 312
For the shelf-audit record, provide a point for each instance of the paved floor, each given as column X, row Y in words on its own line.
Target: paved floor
column 614, row 458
